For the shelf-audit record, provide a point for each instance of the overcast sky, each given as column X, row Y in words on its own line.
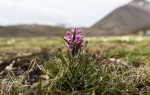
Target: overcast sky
column 76, row 13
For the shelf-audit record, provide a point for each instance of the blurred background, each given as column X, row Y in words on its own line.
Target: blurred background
column 27, row 18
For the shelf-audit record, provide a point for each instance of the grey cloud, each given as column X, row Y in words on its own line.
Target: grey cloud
column 72, row 12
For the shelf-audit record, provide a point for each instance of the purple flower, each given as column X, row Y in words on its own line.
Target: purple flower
column 74, row 40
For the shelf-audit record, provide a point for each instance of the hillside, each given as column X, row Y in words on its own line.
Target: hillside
column 31, row 30
column 128, row 19
column 125, row 20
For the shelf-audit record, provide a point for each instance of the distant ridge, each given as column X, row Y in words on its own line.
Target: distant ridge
column 127, row 19
column 31, row 31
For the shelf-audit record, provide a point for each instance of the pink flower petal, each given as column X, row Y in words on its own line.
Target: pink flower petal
column 79, row 32
column 74, row 37
column 74, row 30
column 68, row 34
column 67, row 38
column 82, row 45
column 70, row 47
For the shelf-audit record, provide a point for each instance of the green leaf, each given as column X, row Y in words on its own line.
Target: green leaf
column 63, row 59
column 69, row 55
column 88, row 91
column 39, row 88
column 113, row 91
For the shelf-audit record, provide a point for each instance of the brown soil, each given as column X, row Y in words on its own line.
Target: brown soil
column 22, row 64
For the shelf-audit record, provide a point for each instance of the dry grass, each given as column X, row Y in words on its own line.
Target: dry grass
column 121, row 65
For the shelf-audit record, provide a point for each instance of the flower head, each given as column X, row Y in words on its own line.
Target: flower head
column 74, row 40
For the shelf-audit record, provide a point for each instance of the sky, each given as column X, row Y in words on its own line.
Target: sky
column 74, row 13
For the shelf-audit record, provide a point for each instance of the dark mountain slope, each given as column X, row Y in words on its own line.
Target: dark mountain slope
column 31, row 30
column 124, row 20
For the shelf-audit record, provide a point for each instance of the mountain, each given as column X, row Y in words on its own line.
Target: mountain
column 125, row 20
column 31, row 30
column 128, row 19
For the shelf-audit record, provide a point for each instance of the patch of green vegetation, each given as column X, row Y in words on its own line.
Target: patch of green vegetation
column 121, row 52
column 92, row 73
